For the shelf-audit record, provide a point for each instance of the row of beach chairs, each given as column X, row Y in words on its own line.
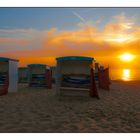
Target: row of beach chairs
column 72, row 73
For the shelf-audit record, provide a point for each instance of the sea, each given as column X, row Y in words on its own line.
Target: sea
column 124, row 74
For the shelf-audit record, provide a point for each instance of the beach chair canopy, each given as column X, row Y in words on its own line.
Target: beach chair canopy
column 82, row 58
column 74, row 64
column 3, row 59
column 37, row 65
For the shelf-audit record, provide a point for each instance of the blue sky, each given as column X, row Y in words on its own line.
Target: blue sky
column 61, row 18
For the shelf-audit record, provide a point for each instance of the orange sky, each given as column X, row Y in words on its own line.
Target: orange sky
column 118, row 36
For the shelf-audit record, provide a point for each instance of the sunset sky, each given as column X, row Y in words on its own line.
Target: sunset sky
column 39, row 35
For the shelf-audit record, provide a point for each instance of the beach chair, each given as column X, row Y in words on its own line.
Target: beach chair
column 93, row 88
column 40, row 75
column 73, row 76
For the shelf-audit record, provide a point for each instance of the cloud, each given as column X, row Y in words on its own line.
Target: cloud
column 30, row 45
column 19, row 39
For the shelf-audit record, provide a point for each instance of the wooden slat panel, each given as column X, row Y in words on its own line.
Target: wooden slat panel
column 71, row 88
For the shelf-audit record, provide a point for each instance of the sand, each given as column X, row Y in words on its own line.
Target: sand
column 39, row 110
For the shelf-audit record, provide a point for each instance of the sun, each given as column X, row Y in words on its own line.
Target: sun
column 126, row 57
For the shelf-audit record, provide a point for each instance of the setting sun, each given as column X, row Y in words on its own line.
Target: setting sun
column 127, row 57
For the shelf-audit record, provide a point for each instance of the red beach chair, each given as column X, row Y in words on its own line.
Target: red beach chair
column 49, row 78
column 4, row 87
column 104, row 81
column 93, row 88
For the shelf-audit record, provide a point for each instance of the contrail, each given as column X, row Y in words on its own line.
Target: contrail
column 80, row 17
column 85, row 23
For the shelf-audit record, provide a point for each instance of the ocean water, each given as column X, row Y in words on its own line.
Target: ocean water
column 124, row 74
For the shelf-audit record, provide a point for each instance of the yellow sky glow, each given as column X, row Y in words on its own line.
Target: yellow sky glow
column 119, row 39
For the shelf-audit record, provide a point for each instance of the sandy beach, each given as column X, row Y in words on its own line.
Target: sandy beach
column 39, row 110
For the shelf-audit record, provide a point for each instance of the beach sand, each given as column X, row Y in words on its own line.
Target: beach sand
column 39, row 110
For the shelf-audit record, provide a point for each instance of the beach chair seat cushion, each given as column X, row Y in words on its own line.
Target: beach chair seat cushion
column 74, row 80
